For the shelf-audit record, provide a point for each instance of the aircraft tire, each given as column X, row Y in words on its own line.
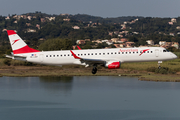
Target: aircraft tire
column 94, row 70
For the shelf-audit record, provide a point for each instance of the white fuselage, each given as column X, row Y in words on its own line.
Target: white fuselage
column 65, row 57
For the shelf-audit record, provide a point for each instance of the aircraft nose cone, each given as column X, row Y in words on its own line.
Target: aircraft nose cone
column 174, row 56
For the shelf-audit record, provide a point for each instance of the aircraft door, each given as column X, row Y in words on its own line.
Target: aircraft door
column 41, row 57
column 157, row 52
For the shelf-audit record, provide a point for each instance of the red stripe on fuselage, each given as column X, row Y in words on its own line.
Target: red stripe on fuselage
column 25, row 49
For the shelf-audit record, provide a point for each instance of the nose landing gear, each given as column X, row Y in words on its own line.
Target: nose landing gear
column 159, row 66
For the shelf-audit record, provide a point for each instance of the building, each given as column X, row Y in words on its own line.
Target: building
column 111, row 33
column 116, row 40
column 31, row 30
column 175, row 44
column 172, row 34
column 161, row 43
column 170, row 23
column 130, row 44
column 43, row 20
column 150, row 42
column 173, row 20
column 67, row 19
column 29, row 17
column 123, row 39
column 76, row 27
column 80, row 42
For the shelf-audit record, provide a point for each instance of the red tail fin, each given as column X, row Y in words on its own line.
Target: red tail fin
column 17, row 44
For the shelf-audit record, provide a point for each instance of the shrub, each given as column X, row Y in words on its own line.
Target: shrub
column 7, row 61
column 162, row 70
column 151, row 69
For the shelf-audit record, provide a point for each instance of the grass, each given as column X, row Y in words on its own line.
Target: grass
column 160, row 78
column 138, row 69
column 143, row 66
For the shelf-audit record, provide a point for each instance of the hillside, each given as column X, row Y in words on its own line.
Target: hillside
column 38, row 27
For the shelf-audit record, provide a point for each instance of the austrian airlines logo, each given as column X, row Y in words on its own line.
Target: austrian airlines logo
column 14, row 41
column 143, row 51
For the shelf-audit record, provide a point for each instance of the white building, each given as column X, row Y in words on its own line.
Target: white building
column 162, row 43
column 150, row 42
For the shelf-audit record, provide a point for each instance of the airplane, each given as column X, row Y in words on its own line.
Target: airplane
column 110, row 58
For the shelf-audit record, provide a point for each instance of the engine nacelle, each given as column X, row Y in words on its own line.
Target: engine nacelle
column 113, row 65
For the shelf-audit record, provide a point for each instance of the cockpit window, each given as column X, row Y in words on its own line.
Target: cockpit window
column 165, row 50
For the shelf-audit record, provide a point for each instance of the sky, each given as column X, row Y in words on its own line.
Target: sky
column 102, row 8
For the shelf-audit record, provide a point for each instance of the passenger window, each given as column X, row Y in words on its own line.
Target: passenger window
column 46, row 55
column 129, row 52
column 95, row 53
column 91, row 53
column 64, row 55
column 84, row 54
column 50, row 55
column 108, row 53
column 111, row 53
column 57, row 55
column 54, row 55
column 103, row 53
column 99, row 53
column 119, row 52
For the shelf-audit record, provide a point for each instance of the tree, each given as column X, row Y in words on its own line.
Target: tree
column 56, row 44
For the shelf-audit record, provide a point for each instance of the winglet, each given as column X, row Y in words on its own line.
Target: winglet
column 78, row 47
column 74, row 55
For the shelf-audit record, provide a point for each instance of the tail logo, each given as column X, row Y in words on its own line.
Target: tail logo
column 14, row 41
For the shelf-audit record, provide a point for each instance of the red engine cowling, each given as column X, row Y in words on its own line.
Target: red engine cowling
column 113, row 65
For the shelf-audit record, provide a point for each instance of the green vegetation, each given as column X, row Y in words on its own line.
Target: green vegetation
column 91, row 27
column 56, row 44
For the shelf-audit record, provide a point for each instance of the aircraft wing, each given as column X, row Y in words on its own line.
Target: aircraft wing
column 91, row 61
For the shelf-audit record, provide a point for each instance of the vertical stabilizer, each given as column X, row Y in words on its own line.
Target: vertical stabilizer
column 17, row 44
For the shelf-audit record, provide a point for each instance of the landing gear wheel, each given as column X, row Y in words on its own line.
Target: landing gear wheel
column 94, row 70
column 159, row 67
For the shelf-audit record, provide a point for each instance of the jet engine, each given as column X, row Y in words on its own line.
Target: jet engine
column 113, row 65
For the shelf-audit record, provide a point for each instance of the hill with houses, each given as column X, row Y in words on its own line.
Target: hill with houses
column 91, row 31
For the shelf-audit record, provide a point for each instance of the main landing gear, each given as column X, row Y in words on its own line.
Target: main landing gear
column 94, row 70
